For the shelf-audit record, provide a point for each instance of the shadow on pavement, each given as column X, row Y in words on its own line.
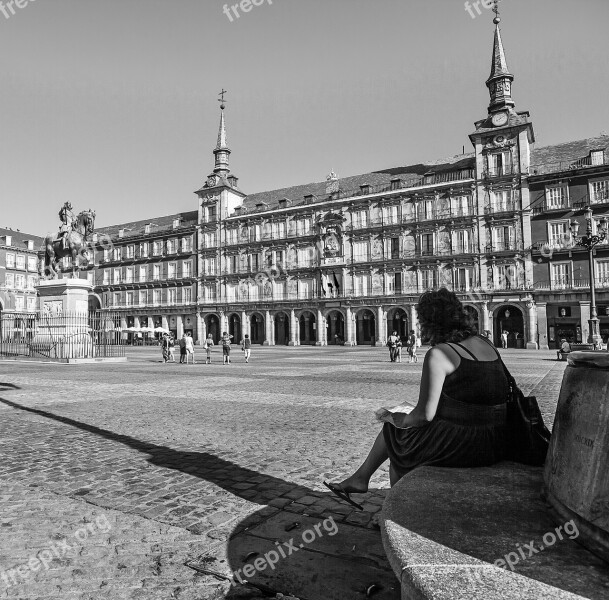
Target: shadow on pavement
column 341, row 566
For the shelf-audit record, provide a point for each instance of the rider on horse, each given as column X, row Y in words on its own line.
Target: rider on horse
column 67, row 221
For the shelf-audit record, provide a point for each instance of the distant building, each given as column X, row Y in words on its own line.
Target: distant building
column 18, row 270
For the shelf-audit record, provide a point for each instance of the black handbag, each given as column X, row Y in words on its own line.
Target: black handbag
column 527, row 437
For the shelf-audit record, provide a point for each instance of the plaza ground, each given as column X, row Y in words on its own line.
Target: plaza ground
column 206, row 464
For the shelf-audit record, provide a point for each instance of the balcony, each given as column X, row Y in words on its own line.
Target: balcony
column 504, row 247
column 569, row 284
column 497, row 172
column 544, row 207
column 495, row 208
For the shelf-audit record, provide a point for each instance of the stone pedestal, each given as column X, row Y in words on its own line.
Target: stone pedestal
column 63, row 330
column 576, row 472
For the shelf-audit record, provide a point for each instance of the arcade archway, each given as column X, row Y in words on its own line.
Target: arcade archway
column 365, row 327
column 257, row 331
column 234, row 328
column 335, row 328
column 510, row 318
column 212, row 324
column 397, row 320
column 307, row 324
column 282, row 329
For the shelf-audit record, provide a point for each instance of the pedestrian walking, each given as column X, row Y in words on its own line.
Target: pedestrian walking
column 246, row 346
column 172, row 347
column 392, row 343
column 398, row 350
column 209, row 344
column 190, row 348
column 504, row 339
column 183, row 349
column 165, row 347
column 226, row 342
column 412, row 345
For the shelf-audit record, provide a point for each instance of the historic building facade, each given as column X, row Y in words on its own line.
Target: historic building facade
column 566, row 180
column 18, row 270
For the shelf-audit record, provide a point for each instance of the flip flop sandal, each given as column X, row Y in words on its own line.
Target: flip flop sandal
column 342, row 495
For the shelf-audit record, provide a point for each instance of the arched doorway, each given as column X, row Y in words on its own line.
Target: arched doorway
column 212, row 324
column 510, row 318
column 257, row 328
column 234, row 328
column 474, row 315
column 282, row 329
column 365, row 328
column 397, row 320
column 335, row 328
column 94, row 303
column 307, row 328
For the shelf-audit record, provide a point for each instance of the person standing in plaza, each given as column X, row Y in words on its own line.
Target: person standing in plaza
column 226, row 342
column 412, row 347
column 165, row 347
column 171, row 348
column 190, row 348
column 246, row 346
column 209, row 344
column 183, row 349
column 504, row 339
column 392, row 343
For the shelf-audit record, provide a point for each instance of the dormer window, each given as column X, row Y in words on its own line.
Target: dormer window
column 308, row 199
column 262, row 205
column 396, row 183
column 176, row 223
column 95, row 238
column 597, row 157
column 121, row 233
column 9, row 240
column 365, row 188
column 30, row 244
column 285, row 202
column 147, row 229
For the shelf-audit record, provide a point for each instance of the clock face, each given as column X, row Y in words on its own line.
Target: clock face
column 211, row 181
column 500, row 119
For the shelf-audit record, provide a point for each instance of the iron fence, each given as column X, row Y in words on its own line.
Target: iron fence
column 60, row 336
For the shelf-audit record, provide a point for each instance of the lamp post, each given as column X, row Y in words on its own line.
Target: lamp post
column 590, row 241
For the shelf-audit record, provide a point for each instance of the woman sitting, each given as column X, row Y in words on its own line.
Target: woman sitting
column 460, row 418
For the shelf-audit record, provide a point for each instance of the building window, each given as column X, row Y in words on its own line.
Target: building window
column 211, row 213
column 360, row 252
column 20, row 303
column 157, row 248
column 129, row 275
column 176, row 223
column 464, row 279
column 601, row 269
column 129, row 298
column 172, row 246
column 461, row 242
column 560, row 274
column 31, row 304
column 558, row 234
column 502, row 201
column 10, row 260
column 171, row 296
column 8, row 240
column 20, row 282
column 461, row 206
column 106, row 254
column 117, row 299
column 187, row 269
column 117, row 276
column 427, row 244
column 390, row 214
column 147, row 229
column 500, row 163
column 599, row 191
column 31, row 282
column 187, row 295
column 130, row 251
column 281, row 229
column 429, row 279
column 557, row 197
column 144, row 250
column 597, row 157
column 143, row 275
column 360, row 219
column 106, row 276
column 91, row 277
column 209, row 266
column 503, row 238
column 360, row 285
column 9, row 280
column 117, row 253
column 157, row 296
column 171, row 271
column 187, row 244
column 156, row 272
column 210, row 239
column 31, row 263
column 427, row 209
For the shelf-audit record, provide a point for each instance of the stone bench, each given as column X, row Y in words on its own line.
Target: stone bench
column 444, row 529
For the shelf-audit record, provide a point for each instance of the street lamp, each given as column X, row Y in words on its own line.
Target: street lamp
column 590, row 241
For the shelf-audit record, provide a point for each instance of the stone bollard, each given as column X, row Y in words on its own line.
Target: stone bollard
column 576, row 474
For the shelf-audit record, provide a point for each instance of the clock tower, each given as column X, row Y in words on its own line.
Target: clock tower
column 502, row 143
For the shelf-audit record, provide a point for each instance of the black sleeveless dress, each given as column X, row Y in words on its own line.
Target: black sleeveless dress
column 469, row 428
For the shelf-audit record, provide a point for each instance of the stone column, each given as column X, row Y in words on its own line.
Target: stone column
column 319, row 329
column 293, row 328
column 200, row 329
column 381, row 325
column 532, row 337
column 349, row 338
column 542, row 325
column 136, row 322
column 268, row 334
column 306, row 329
column 164, row 322
column 486, row 326
column 179, row 326
column 584, row 311
column 245, row 324
column 414, row 322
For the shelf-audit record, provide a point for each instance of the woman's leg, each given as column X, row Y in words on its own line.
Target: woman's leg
column 358, row 482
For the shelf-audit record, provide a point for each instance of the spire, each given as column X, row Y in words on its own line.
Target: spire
column 500, row 81
column 222, row 152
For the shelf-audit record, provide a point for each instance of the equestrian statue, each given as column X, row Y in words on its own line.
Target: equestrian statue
column 71, row 240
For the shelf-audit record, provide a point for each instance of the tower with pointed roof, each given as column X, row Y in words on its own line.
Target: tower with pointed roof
column 502, row 143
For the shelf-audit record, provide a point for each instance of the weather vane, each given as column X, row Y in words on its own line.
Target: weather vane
column 221, row 99
column 497, row 18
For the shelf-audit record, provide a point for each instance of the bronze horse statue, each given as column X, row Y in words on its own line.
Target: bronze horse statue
column 76, row 243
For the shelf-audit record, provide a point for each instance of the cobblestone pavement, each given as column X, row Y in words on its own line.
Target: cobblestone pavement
column 211, row 464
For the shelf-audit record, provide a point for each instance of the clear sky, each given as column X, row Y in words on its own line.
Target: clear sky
column 111, row 104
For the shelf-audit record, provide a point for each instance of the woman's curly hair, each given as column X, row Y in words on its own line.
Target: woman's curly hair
column 443, row 318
